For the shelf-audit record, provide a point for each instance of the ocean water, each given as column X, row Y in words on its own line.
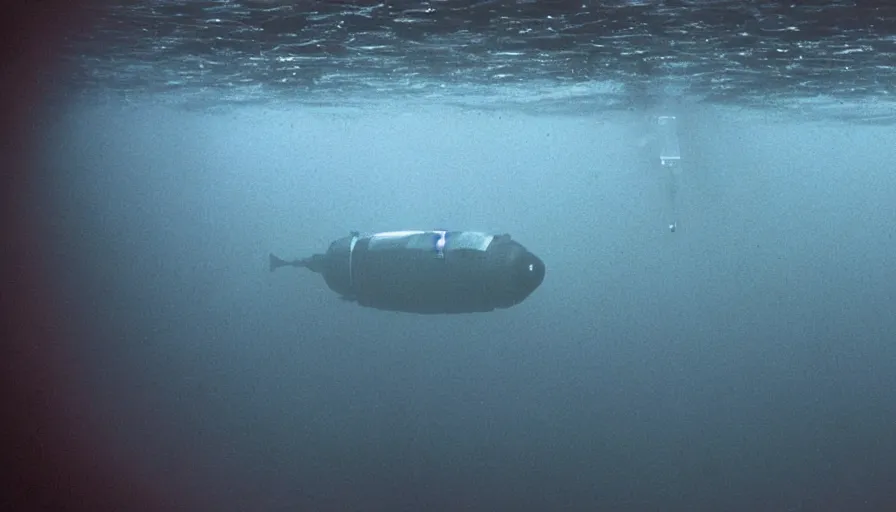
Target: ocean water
column 743, row 361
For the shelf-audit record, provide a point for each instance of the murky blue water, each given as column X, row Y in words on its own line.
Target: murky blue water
column 744, row 361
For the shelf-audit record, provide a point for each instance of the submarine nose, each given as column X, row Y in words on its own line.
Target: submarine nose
column 529, row 273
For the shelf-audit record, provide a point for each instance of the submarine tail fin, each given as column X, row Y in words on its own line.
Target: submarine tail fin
column 276, row 262
column 315, row 263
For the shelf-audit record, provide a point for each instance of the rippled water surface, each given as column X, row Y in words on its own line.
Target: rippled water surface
column 822, row 58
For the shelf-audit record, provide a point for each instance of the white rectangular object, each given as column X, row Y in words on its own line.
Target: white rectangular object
column 670, row 154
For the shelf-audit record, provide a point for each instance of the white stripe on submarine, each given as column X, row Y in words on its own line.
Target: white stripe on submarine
column 460, row 240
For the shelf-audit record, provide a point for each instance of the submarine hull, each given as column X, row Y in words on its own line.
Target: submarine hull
column 432, row 272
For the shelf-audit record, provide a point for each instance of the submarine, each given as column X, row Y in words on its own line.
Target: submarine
column 427, row 272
